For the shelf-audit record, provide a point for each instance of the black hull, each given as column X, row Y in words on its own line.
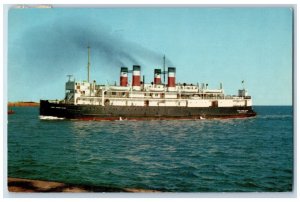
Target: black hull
column 90, row 112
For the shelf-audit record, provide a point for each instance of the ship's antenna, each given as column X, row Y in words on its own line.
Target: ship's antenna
column 164, row 70
column 88, row 65
column 70, row 76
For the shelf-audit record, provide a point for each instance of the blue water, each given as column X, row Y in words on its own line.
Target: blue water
column 237, row 155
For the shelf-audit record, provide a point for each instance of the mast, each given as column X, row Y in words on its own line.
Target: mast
column 70, row 76
column 164, row 72
column 88, row 65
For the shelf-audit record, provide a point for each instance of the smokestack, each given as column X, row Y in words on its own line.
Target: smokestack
column 124, row 76
column 157, row 78
column 171, row 78
column 136, row 77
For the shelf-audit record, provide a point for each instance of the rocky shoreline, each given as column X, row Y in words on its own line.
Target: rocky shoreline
column 27, row 185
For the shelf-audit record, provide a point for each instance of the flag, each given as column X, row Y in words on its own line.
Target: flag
column 243, row 81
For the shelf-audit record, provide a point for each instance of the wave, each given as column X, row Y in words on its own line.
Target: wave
column 50, row 118
column 276, row 116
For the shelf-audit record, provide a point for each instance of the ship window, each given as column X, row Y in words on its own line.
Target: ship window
column 113, row 93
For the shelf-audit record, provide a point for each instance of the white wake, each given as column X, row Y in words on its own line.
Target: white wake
column 51, row 118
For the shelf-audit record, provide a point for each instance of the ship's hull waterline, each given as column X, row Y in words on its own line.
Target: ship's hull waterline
column 97, row 112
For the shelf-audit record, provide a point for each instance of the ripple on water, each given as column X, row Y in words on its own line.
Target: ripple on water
column 181, row 156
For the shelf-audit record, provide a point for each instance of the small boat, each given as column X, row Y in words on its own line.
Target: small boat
column 10, row 111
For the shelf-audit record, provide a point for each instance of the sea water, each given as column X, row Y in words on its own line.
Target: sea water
column 232, row 155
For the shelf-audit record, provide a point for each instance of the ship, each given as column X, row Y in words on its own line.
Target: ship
column 138, row 100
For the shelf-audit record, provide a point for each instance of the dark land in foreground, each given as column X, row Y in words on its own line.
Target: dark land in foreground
column 26, row 185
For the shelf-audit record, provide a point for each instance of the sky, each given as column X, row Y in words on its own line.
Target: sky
column 206, row 45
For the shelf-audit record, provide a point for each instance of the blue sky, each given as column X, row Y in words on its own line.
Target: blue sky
column 206, row 45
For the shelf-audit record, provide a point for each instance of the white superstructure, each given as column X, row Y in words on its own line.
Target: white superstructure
column 182, row 95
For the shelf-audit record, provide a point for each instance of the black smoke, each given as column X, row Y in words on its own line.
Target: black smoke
column 61, row 48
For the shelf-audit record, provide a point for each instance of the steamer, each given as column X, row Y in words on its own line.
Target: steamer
column 146, row 101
